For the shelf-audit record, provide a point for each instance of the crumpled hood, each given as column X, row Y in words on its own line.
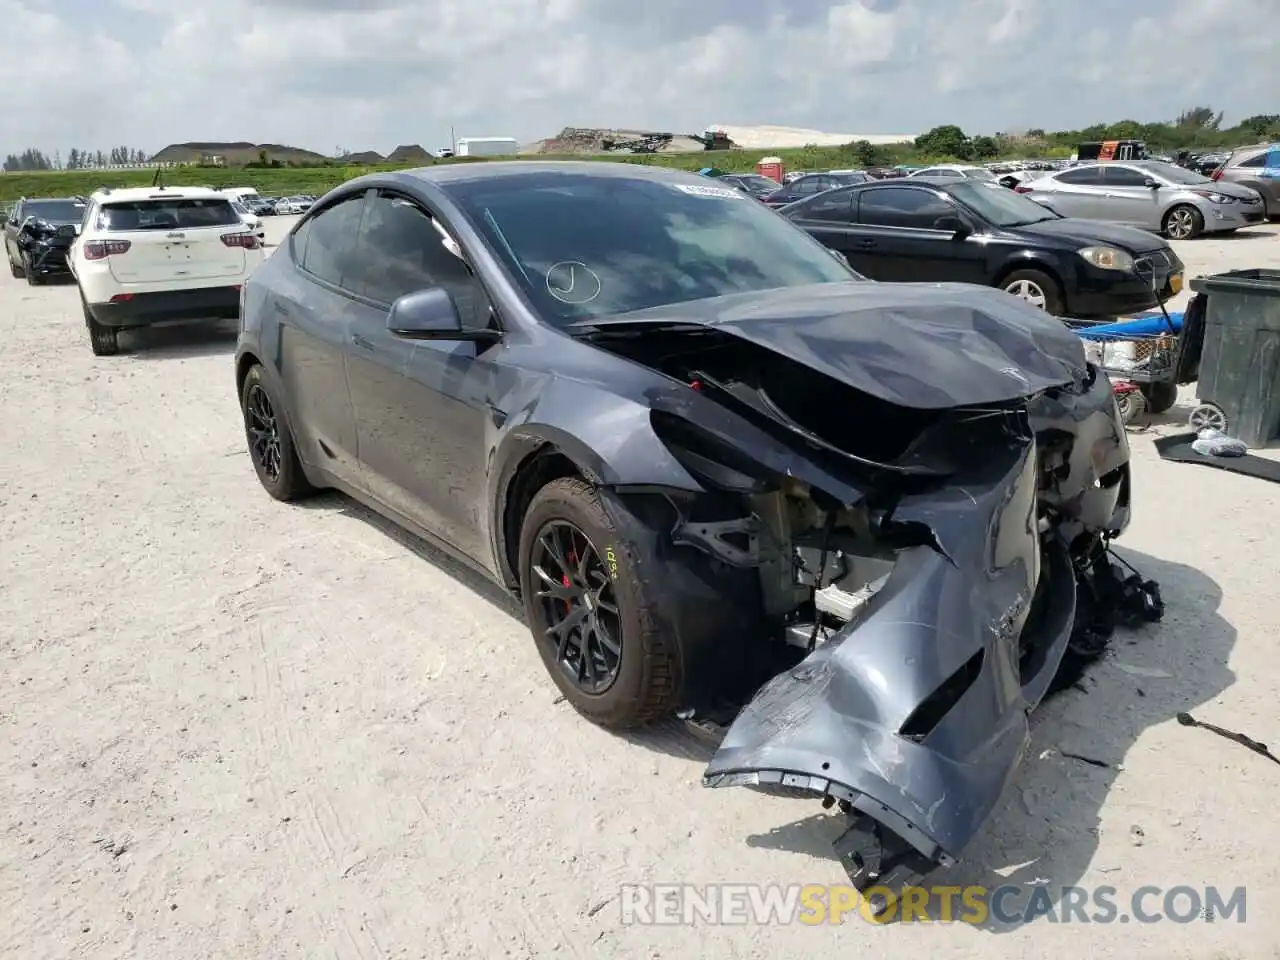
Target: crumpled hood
column 918, row 345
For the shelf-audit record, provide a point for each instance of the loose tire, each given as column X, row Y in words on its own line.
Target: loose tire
column 1131, row 404
column 1037, row 288
column 103, row 340
column 270, row 441
column 1183, row 222
column 1160, row 396
column 643, row 683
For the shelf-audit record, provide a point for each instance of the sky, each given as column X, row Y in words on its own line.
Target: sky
column 372, row 74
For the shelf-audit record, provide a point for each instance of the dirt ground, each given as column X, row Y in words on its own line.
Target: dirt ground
column 233, row 728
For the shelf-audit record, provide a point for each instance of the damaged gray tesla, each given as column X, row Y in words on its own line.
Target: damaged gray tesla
column 853, row 529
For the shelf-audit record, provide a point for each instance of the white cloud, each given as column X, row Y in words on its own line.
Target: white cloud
column 376, row 73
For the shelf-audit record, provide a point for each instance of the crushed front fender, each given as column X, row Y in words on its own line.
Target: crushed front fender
column 914, row 716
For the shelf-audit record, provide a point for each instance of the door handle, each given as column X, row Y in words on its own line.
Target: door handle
column 866, row 243
column 361, row 342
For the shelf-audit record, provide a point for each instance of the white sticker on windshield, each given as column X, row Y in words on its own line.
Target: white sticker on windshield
column 698, row 190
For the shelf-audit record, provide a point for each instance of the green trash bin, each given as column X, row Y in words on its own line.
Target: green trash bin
column 1239, row 385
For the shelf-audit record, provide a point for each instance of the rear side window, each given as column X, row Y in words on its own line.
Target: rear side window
column 836, row 205
column 1086, row 176
column 327, row 250
column 167, row 214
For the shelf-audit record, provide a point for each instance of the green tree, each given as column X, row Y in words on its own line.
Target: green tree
column 947, row 140
column 985, row 148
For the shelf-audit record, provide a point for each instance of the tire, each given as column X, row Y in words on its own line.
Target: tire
column 270, row 440
column 1160, row 396
column 1183, row 222
column 1131, row 404
column 32, row 279
column 15, row 271
column 1048, row 296
column 104, row 341
column 643, row 686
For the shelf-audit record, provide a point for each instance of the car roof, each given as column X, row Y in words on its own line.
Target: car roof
column 50, row 200
column 133, row 194
column 446, row 173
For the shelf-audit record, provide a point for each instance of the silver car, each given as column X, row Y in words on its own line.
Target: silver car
column 1151, row 195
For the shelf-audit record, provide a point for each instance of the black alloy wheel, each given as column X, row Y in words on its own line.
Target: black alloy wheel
column 264, row 433
column 578, row 610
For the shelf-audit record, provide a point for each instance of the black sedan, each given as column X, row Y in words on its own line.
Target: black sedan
column 38, row 234
column 971, row 232
column 811, row 184
column 640, row 401
column 754, row 184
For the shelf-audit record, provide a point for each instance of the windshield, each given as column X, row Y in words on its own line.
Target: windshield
column 998, row 204
column 1179, row 175
column 585, row 246
column 55, row 211
column 167, row 214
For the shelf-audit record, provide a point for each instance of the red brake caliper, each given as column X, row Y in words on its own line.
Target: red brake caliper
column 565, row 581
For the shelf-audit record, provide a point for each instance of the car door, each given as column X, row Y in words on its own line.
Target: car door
column 906, row 237
column 829, row 218
column 314, row 309
column 1075, row 193
column 422, row 407
column 1128, row 199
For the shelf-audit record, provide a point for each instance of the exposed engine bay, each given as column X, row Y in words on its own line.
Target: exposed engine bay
column 909, row 620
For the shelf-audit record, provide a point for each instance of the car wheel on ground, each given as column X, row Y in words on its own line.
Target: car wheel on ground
column 1037, row 288
column 588, row 600
column 33, row 279
column 16, row 270
column 1183, row 222
column 275, row 460
column 103, row 340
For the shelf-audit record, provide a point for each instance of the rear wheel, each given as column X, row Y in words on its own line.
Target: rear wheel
column 103, row 340
column 1183, row 222
column 275, row 460
column 1037, row 288
column 588, row 600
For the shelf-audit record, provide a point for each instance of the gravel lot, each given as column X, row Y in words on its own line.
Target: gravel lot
column 234, row 728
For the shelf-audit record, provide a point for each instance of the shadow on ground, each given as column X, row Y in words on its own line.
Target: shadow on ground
column 1045, row 829
column 180, row 341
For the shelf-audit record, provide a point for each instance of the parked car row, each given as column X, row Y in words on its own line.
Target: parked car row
column 279, row 206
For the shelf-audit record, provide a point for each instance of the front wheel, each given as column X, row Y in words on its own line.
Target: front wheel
column 589, row 601
column 1037, row 288
column 275, row 460
column 14, row 270
column 32, row 278
column 1183, row 222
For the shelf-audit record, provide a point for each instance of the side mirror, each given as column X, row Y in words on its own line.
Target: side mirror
column 954, row 224
column 1152, row 184
column 431, row 315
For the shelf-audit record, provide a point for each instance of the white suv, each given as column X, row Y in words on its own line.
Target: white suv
column 154, row 254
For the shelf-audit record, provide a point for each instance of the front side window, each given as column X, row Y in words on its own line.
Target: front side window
column 1124, row 177
column 584, row 245
column 903, row 207
column 1083, row 177
column 402, row 252
column 834, row 205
